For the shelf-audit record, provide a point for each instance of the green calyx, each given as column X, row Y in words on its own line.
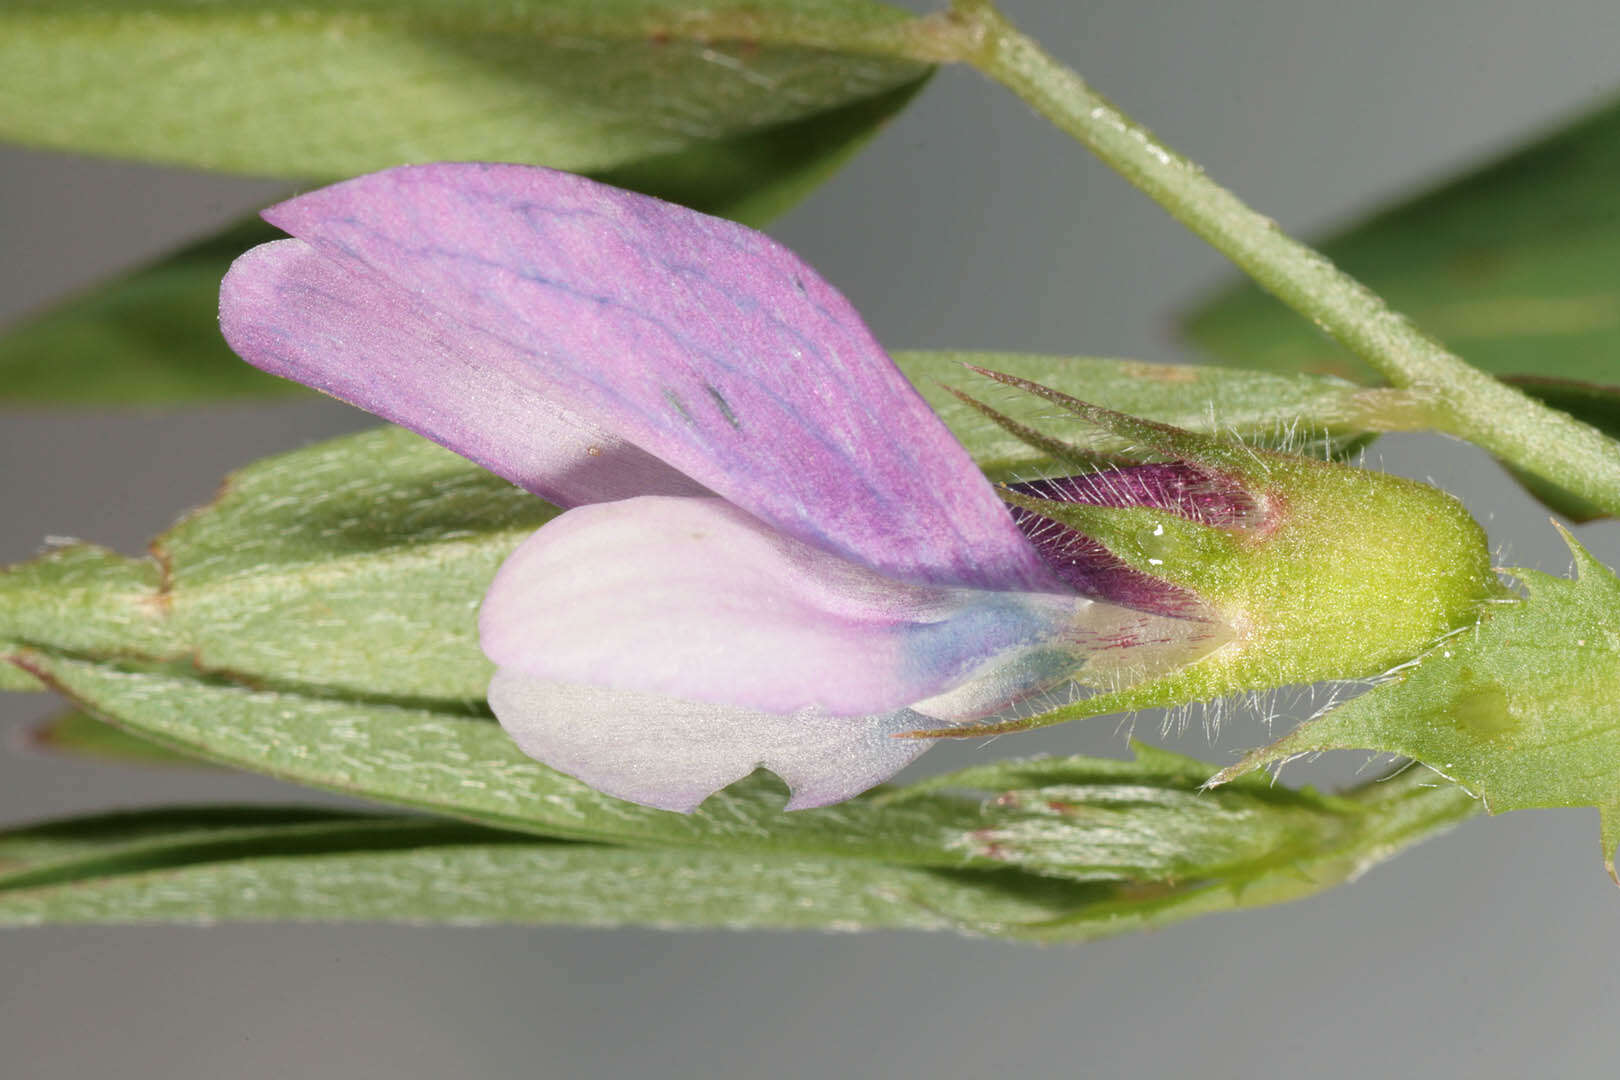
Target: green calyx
column 1347, row 574
column 1328, row 573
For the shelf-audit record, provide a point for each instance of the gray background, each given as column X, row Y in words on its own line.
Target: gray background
column 1489, row 952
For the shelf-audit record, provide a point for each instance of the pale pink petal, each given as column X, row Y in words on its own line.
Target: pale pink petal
column 702, row 342
column 692, row 598
column 343, row 330
column 673, row 754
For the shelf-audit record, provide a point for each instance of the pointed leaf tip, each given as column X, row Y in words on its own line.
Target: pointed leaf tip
column 1135, row 431
column 1061, row 452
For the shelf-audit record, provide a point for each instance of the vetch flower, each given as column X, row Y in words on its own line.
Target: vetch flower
column 774, row 554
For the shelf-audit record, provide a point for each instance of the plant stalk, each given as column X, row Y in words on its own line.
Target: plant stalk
column 1465, row 401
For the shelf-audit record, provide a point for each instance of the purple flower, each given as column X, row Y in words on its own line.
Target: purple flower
column 774, row 554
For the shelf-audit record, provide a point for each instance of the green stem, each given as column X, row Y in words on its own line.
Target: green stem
column 1467, row 402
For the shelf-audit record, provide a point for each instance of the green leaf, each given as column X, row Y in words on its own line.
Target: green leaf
column 1511, row 265
column 83, row 598
column 78, row 733
column 1076, row 819
column 229, row 863
column 466, row 767
column 331, row 88
column 1144, row 820
column 404, row 870
column 1524, row 709
column 106, row 844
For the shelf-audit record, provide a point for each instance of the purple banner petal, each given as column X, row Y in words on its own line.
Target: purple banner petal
column 704, row 343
